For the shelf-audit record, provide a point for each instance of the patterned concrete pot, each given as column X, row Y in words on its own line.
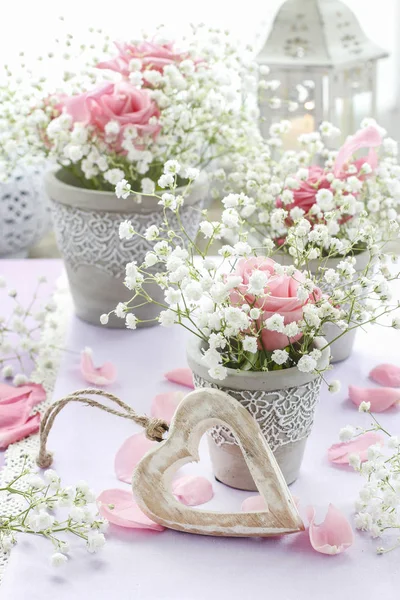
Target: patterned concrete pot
column 24, row 212
column 283, row 404
column 86, row 225
column 342, row 347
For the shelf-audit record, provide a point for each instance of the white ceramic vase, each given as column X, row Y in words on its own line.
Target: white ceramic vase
column 282, row 403
column 24, row 212
column 86, row 224
column 343, row 346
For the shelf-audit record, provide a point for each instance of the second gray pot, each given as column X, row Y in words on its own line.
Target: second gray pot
column 86, row 224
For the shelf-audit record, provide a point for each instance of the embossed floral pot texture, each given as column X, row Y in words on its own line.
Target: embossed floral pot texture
column 86, row 224
column 343, row 346
column 24, row 212
column 282, row 403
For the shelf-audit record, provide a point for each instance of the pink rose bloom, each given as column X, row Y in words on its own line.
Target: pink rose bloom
column 279, row 298
column 153, row 56
column 121, row 102
column 304, row 196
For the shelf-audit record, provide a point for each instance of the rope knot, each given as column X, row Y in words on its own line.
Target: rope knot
column 44, row 460
column 155, row 430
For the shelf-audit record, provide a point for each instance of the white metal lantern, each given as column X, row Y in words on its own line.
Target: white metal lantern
column 325, row 63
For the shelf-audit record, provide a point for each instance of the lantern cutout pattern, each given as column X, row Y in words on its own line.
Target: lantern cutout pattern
column 326, row 65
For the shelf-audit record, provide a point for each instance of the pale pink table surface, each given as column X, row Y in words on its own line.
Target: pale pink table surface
column 144, row 565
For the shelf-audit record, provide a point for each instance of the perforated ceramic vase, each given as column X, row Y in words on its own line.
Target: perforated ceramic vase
column 86, row 224
column 282, row 403
column 24, row 212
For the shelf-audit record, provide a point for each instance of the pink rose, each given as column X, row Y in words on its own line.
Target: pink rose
column 153, row 56
column 280, row 297
column 121, row 102
column 304, row 196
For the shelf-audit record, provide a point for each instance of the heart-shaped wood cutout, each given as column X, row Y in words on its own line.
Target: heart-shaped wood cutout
column 197, row 413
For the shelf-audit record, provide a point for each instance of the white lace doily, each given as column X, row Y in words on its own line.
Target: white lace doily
column 46, row 368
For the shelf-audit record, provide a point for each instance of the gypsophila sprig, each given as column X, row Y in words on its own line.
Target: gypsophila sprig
column 317, row 203
column 249, row 312
column 42, row 506
column 19, row 329
column 378, row 504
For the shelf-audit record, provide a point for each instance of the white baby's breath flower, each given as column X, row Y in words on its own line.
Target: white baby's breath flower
column 250, row 344
column 364, row 407
column 95, row 541
column 7, row 372
column 130, row 321
column 122, row 189
column 148, row 186
column 152, row 233
column 58, row 559
column 347, row 433
column 307, row 364
column 126, row 231
column 334, row 386
column 20, row 379
column 167, row 318
column 280, row 357
column 114, row 176
column 104, row 319
column 275, row 323
column 191, row 173
column 172, row 166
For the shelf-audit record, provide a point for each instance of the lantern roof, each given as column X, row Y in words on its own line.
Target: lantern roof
column 317, row 33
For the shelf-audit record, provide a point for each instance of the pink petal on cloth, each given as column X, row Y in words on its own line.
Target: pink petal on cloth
column 104, row 375
column 192, row 491
column 388, row 375
column 15, row 413
column 165, row 405
column 257, row 503
column 334, row 535
column 130, row 453
column 125, row 511
column 181, row 376
column 10, row 393
column 380, row 398
column 339, row 453
column 14, row 434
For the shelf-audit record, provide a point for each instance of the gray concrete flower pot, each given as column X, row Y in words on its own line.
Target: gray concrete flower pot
column 342, row 348
column 283, row 404
column 86, row 224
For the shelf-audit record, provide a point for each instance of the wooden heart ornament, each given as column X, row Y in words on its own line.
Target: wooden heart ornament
column 197, row 413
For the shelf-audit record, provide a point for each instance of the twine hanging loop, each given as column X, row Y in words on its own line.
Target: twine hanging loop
column 154, row 428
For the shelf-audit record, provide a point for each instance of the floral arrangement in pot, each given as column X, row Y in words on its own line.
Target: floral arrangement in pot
column 256, row 325
column 317, row 215
column 123, row 117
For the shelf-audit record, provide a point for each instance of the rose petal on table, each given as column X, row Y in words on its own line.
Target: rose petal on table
column 104, row 375
column 165, row 405
column 181, row 376
column 16, row 412
column 334, row 535
column 192, row 491
column 385, row 374
column 380, row 398
column 120, row 508
column 14, row 434
column 257, row 503
column 339, row 453
column 254, row 503
column 130, row 453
